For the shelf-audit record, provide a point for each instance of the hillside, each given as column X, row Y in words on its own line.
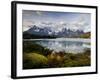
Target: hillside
column 27, row 35
column 86, row 35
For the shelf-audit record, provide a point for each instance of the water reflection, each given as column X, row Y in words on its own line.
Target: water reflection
column 67, row 46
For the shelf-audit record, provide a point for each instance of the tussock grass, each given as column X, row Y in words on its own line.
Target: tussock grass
column 34, row 60
column 36, row 56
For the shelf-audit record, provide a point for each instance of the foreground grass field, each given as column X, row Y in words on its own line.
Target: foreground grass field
column 36, row 56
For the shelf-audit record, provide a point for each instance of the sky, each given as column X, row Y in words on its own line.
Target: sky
column 56, row 20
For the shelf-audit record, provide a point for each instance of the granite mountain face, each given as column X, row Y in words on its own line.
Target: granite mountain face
column 49, row 32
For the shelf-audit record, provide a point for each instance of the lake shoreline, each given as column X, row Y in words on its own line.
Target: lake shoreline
column 62, row 39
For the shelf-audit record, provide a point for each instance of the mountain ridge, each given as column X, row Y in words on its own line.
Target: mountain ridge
column 48, row 32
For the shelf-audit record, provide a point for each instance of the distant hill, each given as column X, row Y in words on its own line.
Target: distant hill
column 86, row 35
column 27, row 35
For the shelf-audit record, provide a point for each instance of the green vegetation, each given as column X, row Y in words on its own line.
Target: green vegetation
column 34, row 60
column 29, row 47
column 36, row 56
column 80, row 59
column 86, row 35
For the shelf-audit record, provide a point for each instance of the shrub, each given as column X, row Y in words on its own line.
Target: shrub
column 75, row 60
column 29, row 46
column 55, row 60
column 34, row 60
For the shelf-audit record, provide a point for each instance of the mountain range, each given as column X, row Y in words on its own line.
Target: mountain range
column 49, row 32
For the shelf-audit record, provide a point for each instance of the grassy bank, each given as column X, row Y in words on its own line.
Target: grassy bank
column 36, row 56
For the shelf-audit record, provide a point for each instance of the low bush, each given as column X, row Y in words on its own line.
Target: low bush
column 34, row 60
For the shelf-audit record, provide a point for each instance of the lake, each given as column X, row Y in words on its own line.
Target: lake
column 70, row 45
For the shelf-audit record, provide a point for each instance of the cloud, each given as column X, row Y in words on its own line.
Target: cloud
column 74, row 21
column 81, row 23
column 39, row 13
column 27, row 24
column 78, row 25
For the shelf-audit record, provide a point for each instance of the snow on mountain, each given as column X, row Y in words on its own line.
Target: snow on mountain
column 57, row 27
column 58, row 31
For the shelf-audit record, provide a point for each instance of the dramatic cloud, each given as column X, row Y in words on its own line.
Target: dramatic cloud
column 57, row 20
